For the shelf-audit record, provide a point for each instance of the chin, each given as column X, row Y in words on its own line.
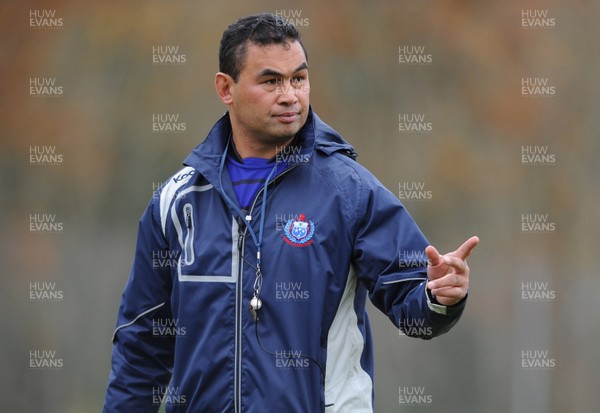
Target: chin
column 282, row 134
column 279, row 140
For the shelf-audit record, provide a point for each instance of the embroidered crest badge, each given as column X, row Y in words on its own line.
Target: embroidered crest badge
column 299, row 232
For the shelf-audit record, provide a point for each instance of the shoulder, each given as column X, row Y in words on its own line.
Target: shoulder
column 346, row 171
column 169, row 191
column 357, row 186
column 336, row 157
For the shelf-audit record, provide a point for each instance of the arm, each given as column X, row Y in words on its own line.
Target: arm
column 391, row 256
column 142, row 360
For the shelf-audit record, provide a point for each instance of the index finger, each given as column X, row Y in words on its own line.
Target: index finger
column 465, row 249
column 433, row 256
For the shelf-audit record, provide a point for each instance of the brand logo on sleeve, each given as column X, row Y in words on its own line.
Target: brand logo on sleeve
column 299, row 232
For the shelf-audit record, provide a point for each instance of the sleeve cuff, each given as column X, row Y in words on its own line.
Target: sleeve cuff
column 440, row 308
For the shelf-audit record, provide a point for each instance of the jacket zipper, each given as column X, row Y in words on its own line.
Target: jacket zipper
column 239, row 302
column 188, row 246
column 238, row 319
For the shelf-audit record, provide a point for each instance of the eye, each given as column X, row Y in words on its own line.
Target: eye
column 274, row 81
column 298, row 79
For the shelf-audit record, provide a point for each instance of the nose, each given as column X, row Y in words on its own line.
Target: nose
column 286, row 93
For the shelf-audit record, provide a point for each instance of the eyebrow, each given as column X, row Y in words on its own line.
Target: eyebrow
column 271, row 72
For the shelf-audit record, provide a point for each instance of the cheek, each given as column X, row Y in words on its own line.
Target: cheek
column 304, row 95
column 256, row 94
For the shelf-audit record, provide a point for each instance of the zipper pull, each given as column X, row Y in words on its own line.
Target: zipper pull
column 188, row 217
column 241, row 225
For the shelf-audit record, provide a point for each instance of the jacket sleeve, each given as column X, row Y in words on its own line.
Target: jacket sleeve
column 141, row 358
column 389, row 258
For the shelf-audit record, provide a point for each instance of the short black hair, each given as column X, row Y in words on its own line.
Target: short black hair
column 261, row 29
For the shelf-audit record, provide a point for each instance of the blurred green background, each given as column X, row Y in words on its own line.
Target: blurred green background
column 479, row 122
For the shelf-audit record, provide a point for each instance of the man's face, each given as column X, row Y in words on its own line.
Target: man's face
column 269, row 102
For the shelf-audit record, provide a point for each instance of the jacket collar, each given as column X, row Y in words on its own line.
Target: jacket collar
column 314, row 135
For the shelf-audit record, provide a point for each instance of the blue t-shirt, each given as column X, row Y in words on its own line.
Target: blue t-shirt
column 249, row 176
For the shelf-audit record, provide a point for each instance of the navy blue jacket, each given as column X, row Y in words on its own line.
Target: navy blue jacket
column 333, row 235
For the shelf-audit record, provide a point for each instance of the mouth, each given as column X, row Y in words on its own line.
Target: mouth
column 288, row 117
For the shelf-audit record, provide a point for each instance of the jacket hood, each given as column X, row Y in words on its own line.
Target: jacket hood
column 329, row 141
column 314, row 135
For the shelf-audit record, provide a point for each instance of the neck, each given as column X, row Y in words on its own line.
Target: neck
column 248, row 148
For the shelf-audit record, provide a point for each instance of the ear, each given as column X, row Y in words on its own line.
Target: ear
column 224, row 85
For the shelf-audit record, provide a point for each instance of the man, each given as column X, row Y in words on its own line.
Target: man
column 253, row 265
